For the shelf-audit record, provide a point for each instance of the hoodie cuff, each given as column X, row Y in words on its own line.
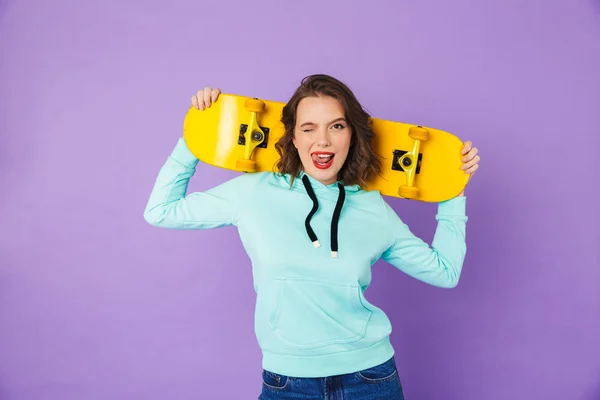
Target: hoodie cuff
column 454, row 206
column 182, row 154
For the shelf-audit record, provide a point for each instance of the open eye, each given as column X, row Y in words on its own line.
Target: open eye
column 339, row 126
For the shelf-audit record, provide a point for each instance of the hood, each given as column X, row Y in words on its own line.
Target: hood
column 336, row 191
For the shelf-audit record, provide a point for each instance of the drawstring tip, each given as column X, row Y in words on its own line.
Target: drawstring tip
column 316, row 244
column 334, row 254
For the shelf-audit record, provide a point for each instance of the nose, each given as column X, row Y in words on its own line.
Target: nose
column 323, row 139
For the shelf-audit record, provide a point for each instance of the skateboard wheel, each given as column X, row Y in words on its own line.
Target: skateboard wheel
column 408, row 192
column 257, row 136
column 254, row 105
column 418, row 133
column 245, row 165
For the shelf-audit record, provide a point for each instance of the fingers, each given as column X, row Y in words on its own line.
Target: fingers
column 471, row 154
column 472, row 165
column 471, row 170
column 471, row 158
column 467, row 146
column 215, row 94
column 198, row 100
column 205, row 98
column 469, row 164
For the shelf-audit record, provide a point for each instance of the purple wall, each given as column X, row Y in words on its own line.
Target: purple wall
column 97, row 304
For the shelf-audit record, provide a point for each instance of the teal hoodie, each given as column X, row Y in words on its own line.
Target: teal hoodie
column 311, row 248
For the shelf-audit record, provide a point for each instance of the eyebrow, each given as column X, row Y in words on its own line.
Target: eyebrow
column 335, row 120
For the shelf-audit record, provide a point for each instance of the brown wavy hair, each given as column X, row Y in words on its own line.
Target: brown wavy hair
column 362, row 163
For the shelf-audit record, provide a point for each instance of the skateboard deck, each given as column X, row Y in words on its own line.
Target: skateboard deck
column 239, row 133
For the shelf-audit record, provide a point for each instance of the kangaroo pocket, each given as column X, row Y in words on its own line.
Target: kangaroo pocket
column 310, row 314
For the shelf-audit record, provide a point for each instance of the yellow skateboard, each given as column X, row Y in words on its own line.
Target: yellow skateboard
column 239, row 133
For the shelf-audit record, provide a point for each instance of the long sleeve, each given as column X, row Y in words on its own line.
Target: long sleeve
column 439, row 264
column 170, row 207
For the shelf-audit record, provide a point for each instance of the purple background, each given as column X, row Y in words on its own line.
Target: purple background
column 97, row 304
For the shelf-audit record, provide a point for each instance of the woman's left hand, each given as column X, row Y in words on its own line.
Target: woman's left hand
column 470, row 159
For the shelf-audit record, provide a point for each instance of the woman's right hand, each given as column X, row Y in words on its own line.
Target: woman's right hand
column 204, row 98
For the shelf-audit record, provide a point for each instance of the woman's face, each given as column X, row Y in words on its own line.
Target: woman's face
column 322, row 137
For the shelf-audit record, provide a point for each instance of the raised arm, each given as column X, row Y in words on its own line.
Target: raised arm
column 439, row 264
column 170, row 206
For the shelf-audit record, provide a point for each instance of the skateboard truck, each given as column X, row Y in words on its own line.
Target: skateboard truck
column 410, row 162
column 255, row 136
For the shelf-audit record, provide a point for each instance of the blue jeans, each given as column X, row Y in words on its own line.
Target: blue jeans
column 379, row 382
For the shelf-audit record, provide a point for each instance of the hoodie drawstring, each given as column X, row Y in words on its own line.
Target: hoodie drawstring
column 309, row 230
column 334, row 222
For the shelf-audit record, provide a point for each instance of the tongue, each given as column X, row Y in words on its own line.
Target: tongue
column 322, row 160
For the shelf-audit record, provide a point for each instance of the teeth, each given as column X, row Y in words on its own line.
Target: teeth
column 324, row 155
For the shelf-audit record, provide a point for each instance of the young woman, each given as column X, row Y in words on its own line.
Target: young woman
column 318, row 334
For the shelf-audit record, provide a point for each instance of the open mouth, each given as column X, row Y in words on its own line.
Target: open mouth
column 322, row 159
